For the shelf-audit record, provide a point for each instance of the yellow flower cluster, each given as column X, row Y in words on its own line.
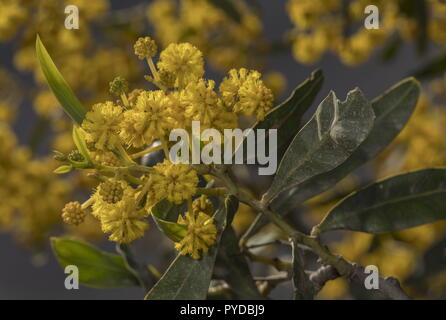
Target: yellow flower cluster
column 320, row 26
column 141, row 117
column 225, row 40
column 201, row 234
column 31, row 194
column 150, row 115
column 121, row 218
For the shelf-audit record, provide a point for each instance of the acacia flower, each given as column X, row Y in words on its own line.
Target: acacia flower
column 145, row 48
column 149, row 120
column 203, row 204
column 246, row 93
column 102, row 125
column 201, row 234
column 175, row 182
column 111, row 190
column 73, row 213
column 184, row 61
column 201, row 103
column 123, row 219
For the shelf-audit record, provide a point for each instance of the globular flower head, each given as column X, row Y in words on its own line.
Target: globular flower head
column 119, row 86
column 102, row 125
column 254, row 99
column 73, row 213
column 201, row 234
column 145, row 48
column 111, row 190
column 148, row 120
column 245, row 92
column 200, row 101
column 184, row 61
column 203, row 204
column 123, row 219
column 175, row 182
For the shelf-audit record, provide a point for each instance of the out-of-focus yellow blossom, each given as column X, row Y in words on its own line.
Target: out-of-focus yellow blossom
column 11, row 17
column 201, row 234
column 277, row 82
column 33, row 197
column 320, row 26
column 175, row 182
column 45, row 103
column 149, row 120
column 184, row 61
column 102, row 125
column 226, row 41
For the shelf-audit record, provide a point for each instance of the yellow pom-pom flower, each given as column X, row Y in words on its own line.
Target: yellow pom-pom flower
column 123, row 219
column 200, row 102
column 203, row 204
column 149, row 120
column 102, row 125
column 200, row 236
column 145, row 48
column 246, row 93
column 73, row 213
column 184, row 61
column 175, row 182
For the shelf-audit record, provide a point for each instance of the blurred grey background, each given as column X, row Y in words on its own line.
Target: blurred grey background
column 21, row 277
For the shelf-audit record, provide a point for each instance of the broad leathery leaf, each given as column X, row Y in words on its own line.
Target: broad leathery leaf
column 79, row 140
column 188, row 278
column 303, row 288
column 396, row 203
column 58, row 85
column 160, row 214
column 326, row 141
column 97, row 269
column 231, row 264
column 392, row 110
column 287, row 116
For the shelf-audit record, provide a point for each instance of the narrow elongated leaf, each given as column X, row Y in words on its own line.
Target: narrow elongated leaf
column 435, row 67
column 431, row 263
column 164, row 214
column 326, row 141
column 97, row 268
column 187, row 278
column 392, row 110
column 58, row 85
column 79, row 141
column 231, row 264
column 303, row 288
column 400, row 202
column 287, row 116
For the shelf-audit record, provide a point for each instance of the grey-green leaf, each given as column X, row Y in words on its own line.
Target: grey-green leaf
column 303, row 288
column 392, row 110
column 233, row 268
column 287, row 116
column 326, row 141
column 97, row 268
column 187, row 278
column 400, row 202
column 58, row 85
column 161, row 215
